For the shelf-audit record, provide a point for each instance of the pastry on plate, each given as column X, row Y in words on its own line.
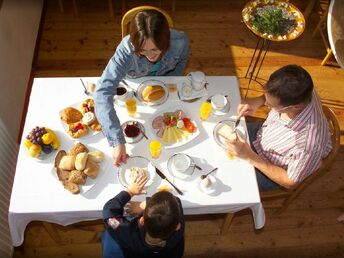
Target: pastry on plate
column 77, row 177
column 95, row 126
column 77, row 130
column 92, row 169
column 72, row 187
column 87, row 106
column 71, row 115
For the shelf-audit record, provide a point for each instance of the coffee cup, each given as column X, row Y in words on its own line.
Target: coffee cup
column 122, row 93
column 218, row 102
column 197, row 80
column 181, row 163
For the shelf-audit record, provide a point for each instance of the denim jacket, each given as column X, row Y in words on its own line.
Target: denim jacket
column 126, row 64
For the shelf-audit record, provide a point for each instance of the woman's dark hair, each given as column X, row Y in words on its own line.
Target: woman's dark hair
column 162, row 215
column 150, row 24
column 291, row 84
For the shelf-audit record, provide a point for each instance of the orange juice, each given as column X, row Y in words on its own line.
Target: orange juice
column 155, row 149
column 205, row 110
column 131, row 106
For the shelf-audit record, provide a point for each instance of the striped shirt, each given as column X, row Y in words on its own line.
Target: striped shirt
column 298, row 145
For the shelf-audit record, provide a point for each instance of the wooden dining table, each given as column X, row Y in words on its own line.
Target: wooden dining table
column 38, row 195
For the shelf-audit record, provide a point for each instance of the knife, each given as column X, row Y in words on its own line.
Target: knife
column 237, row 121
column 164, row 177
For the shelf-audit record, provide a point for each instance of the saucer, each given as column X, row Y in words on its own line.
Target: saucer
column 194, row 94
column 121, row 102
column 178, row 174
column 209, row 190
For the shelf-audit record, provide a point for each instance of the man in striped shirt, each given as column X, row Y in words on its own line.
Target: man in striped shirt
column 294, row 138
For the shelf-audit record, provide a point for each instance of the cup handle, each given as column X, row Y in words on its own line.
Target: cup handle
column 189, row 76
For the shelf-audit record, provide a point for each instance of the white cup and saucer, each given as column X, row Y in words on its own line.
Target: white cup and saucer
column 180, row 165
column 220, row 104
column 197, row 80
column 122, row 94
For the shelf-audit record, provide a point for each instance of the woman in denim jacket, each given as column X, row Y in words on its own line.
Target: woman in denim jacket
column 152, row 48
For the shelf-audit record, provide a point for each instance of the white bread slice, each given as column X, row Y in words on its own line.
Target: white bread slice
column 227, row 132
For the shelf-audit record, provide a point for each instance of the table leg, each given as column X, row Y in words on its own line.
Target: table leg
column 226, row 223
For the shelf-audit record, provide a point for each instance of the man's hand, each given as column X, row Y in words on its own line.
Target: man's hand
column 249, row 106
column 239, row 148
column 119, row 155
column 136, row 187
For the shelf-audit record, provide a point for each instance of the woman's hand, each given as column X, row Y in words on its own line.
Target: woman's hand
column 249, row 106
column 136, row 187
column 119, row 155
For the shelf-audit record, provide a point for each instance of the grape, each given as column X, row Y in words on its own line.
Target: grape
column 39, row 140
column 47, row 148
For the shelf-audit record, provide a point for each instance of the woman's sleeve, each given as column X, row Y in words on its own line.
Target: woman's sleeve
column 184, row 57
column 114, row 72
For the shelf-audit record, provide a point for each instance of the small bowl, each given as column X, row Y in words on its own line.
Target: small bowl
column 136, row 138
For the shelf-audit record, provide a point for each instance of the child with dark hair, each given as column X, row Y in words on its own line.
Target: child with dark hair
column 157, row 230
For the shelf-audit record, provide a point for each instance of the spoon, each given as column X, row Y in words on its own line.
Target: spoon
column 83, row 84
column 143, row 133
column 204, row 176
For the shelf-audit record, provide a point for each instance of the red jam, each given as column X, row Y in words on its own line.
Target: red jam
column 131, row 130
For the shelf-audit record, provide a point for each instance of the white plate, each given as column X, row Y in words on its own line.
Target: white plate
column 147, row 83
column 136, row 161
column 211, row 189
column 220, row 140
column 65, row 126
column 178, row 174
column 190, row 137
column 133, row 139
column 195, row 94
column 90, row 183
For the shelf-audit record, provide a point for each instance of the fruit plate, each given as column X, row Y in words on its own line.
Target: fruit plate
column 90, row 183
column 150, row 83
column 77, row 106
column 136, row 161
column 221, row 140
column 170, row 134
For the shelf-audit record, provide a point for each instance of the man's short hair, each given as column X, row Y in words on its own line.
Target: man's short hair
column 291, row 84
column 150, row 24
column 162, row 215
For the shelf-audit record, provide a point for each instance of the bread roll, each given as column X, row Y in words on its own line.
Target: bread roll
column 227, row 132
column 77, row 177
column 153, row 93
column 58, row 158
column 96, row 156
column 67, row 162
column 80, row 161
column 73, row 188
column 63, row 175
column 92, row 169
column 77, row 148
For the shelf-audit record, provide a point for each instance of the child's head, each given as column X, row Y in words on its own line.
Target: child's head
column 162, row 215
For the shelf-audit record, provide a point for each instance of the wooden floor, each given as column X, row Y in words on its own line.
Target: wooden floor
column 80, row 44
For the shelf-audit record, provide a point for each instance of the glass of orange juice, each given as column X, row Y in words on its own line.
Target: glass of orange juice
column 205, row 110
column 131, row 106
column 155, row 149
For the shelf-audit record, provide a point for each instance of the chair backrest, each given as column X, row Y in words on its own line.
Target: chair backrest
column 129, row 15
column 290, row 195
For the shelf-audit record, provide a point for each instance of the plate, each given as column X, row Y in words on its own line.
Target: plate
column 77, row 106
column 147, row 83
column 220, row 140
column 289, row 12
column 136, row 161
column 138, row 137
column 178, row 174
column 185, row 139
column 209, row 190
column 187, row 93
column 90, row 183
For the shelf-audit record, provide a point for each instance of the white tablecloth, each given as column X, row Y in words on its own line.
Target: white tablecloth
column 38, row 195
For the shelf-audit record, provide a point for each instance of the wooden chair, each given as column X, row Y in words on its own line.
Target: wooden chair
column 287, row 196
column 128, row 16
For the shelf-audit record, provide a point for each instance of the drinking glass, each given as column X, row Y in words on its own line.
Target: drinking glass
column 131, row 106
column 155, row 149
column 205, row 110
